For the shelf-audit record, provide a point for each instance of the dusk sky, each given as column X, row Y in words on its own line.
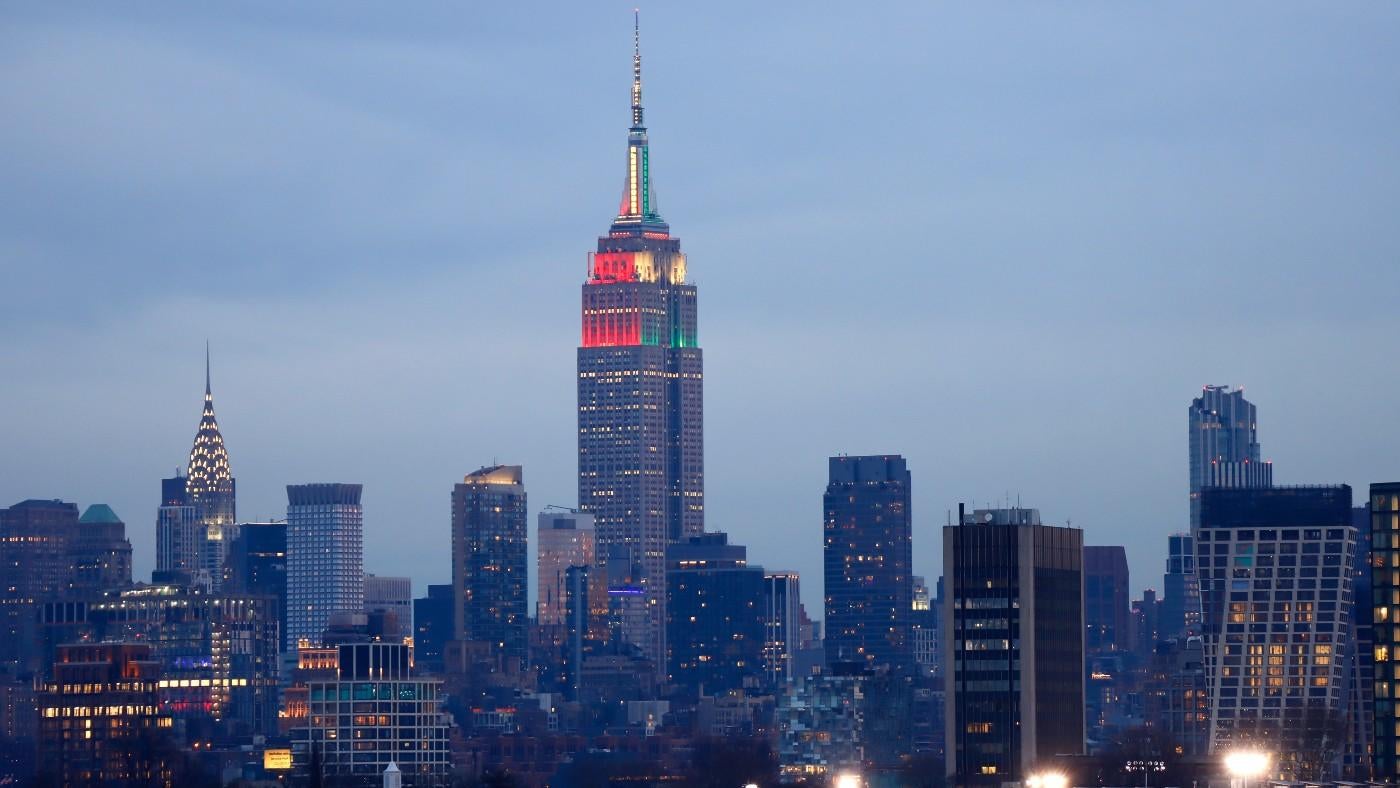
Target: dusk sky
column 1009, row 241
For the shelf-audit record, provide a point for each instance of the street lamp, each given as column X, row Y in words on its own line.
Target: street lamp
column 848, row 780
column 1146, row 767
column 1246, row 765
column 1047, row 780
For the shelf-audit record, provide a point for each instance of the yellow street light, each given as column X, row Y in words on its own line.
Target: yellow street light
column 1247, row 764
column 848, row 780
column 1047, row 780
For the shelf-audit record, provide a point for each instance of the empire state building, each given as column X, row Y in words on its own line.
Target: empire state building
column 641, row 467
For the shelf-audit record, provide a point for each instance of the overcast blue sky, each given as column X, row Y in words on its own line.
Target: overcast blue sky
column 1010, row 241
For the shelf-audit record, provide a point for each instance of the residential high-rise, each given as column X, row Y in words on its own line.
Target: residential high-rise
column 211, row 489
column 1106, row 612
column 867, row 562
column 782, row 625
column 1358, row 761
column 715, row 626
column 1276, row 583
column 325, row 557
column 1385, row 615
column 391, row 595
column 1014, row 651
column 490, row 542
column 641, row 469
column 258, row 566
column 563, row 539
column 1224, row 444
column 1181, row 589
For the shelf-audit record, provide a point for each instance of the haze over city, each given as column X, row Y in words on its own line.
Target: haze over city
column 1009, row 243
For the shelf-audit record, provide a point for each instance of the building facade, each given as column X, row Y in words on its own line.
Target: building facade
column 1385, row 629
column 100, row 720
column 258, row 567
column 1106, row 611
column 1224, row 444
column 490, row 545
column 433, row 623
column 36, row 563
column 715, row 628
column 867, row 562
column 179, row 535
column 641, row 469
column 325, row 557
column 782, row 626
column 563, row 539
column 101, row 552
column 1014, row 650
column 1274, row 565
column 372, row 713
column 1181, row 589
column 392, row 595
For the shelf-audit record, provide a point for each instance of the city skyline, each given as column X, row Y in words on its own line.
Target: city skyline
column 282, row 391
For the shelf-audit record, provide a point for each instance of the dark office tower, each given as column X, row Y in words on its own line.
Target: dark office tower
column 35, row 562
column 641, row 465
column 782, row 626
column 101, row 552
column 1106, row 612
column 433, row 623
column 211, row 487
column 325, row 557
column 1357, row 761
column 1224, row 444
column 1014, row 653
column 867, row 560
column 1146, row 624
column 258, row 566
column 1385, row 613
column 489, row 552
column 1275, row 569
column 1181, row 589
column 715, row 629
column 179, row 536
column 101, row 721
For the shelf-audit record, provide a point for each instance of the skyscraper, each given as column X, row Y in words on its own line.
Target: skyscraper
column 391, row 595
column 1275, row 587
column 211, row 489
column 35, row 563
column 715, row 637
column 1106, row 611
column 179, row 536
column 489, row 549
column 641, row 468
column 1181, row 588
column 867, row 559
column 1385, row 612
column 564, row 539
column 1224, row 444
column 325, row 557
column 782, row 625
column 258, row 565
column 100, row 550
column 1015, row 646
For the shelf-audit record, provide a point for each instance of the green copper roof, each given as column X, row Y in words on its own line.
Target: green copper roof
column 99, row 513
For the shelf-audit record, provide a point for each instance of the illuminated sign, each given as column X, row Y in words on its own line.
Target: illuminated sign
column 277, row 760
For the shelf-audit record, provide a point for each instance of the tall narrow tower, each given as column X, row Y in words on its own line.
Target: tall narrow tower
column 1224, row 444
column 641, row 468
column 210, row 485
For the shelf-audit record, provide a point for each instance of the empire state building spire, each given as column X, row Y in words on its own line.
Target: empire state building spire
column 638, row 212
